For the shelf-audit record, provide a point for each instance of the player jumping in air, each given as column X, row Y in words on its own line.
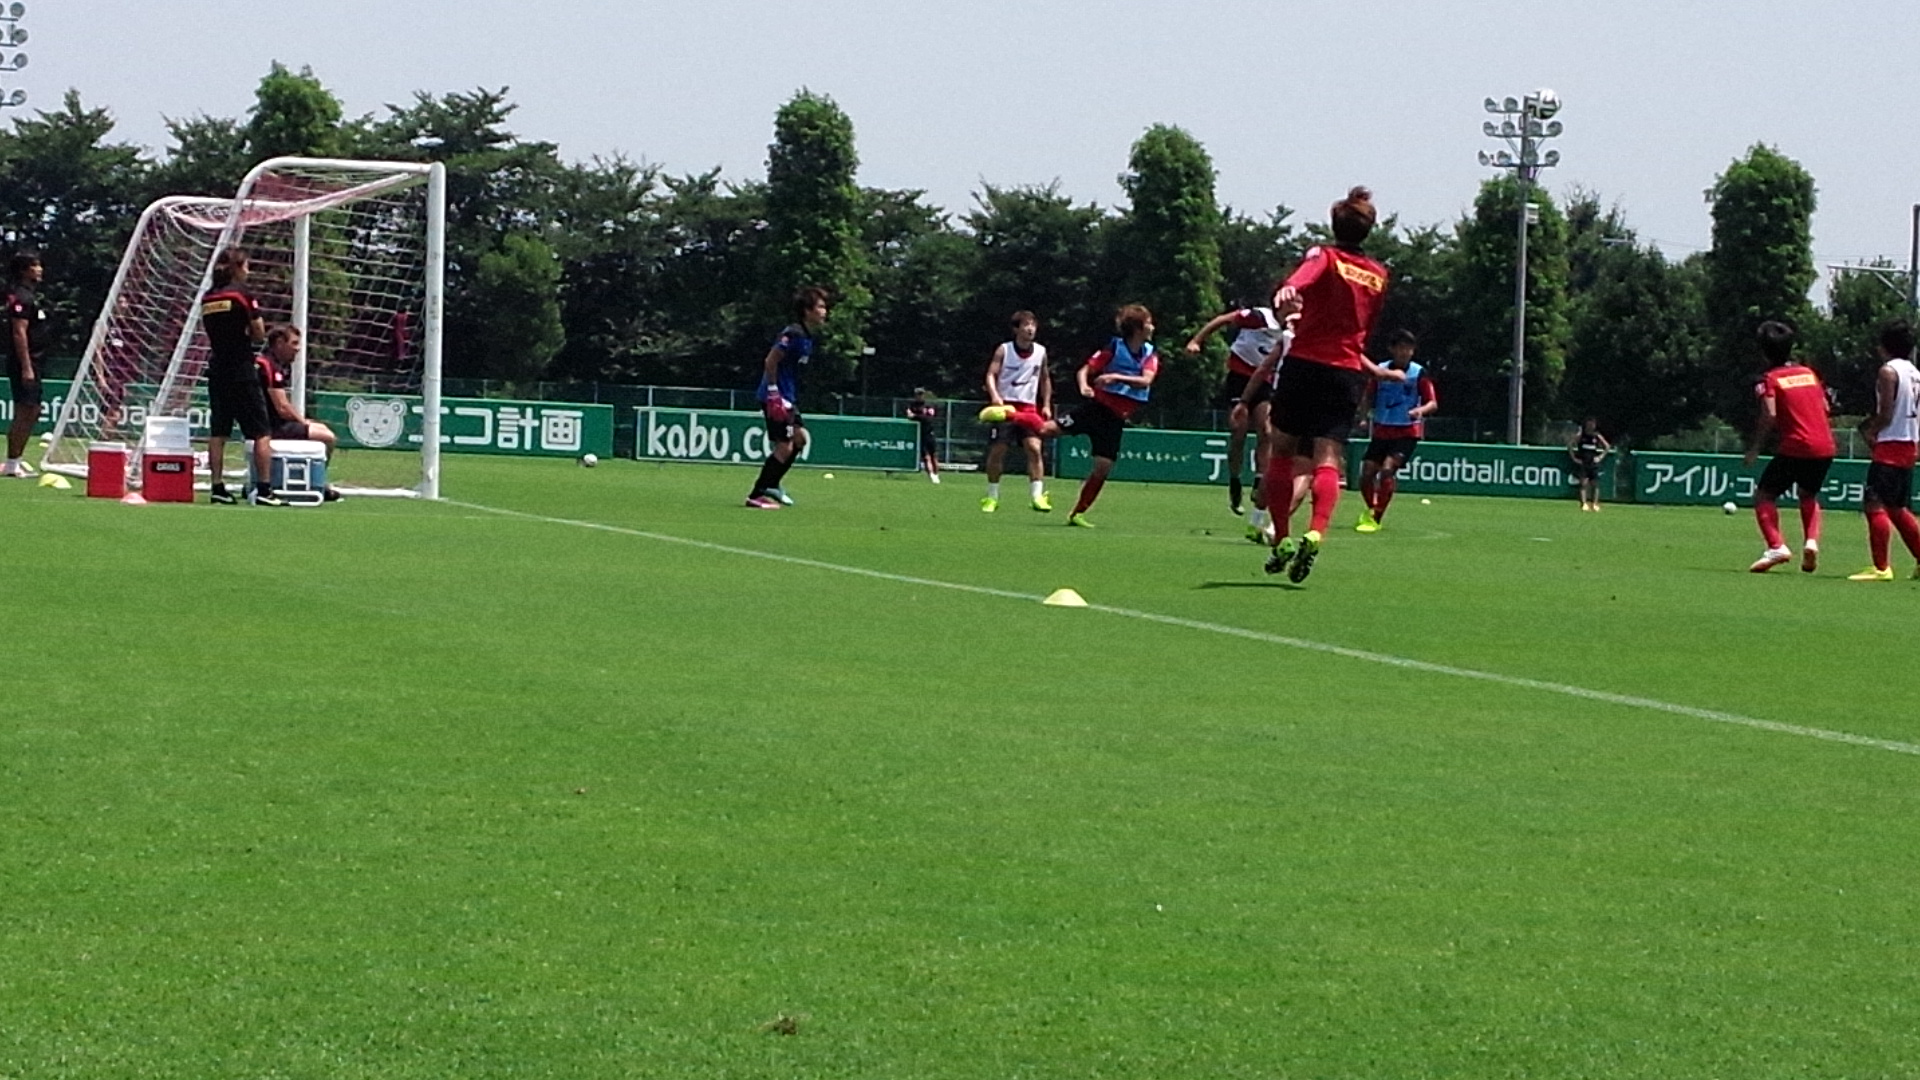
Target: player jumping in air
column 1017, row 378
column 1318, row 391
column 1588, row 448
column 1258, row 332
column 1115, row 381
column 779, row 394
column 1793, row 401
column 1397, row 413
column 1894, row 431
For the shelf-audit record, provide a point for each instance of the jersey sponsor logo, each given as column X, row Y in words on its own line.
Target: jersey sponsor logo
column 1363, row 277
column 1794, row 382
column 216, row 307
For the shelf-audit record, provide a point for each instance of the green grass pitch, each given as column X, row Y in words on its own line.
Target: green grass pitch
column 393, row 789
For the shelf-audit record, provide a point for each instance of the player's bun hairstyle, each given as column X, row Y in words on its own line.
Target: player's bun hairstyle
column 804, row 299
column 230, row 261
column 1353, row 216
column 1132, row 319
column 1021, row 318
column 1402, row 336
column 1776, row 341
column 22, row 262
column 1897, row 338
column 281, row 332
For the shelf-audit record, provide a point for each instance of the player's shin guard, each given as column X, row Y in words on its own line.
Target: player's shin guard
column 1909, row 530
column 1277, row 486
column 1810, row 518
column 1326, row 495
column 1384, row 487
column 1089, row 491
column 1767, row 513
column 1879, row 535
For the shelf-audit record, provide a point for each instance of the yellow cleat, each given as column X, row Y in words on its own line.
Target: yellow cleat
column 996, row 414
column 1367, row 525
column 1042, row 503
column 1872, row 574
column 1079, row 521
column 989, row 504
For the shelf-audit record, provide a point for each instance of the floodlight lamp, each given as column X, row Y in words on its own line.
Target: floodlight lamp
column 18, row 36
column 18, row 10
column 1490, row 129
column 15, row 99
column 1552, row 158
column 1510, row 105
column 1486, row 158
column 1554, row 129
column 1492, row 105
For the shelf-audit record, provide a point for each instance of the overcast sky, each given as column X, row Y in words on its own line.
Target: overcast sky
column 1295, row 100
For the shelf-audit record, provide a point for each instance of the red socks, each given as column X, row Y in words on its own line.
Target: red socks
column 1879, row 533
column 1278, row 488
column 1383, row 494
column 1909, row 528
column 1767, row 513
column 1089, row 491
column 1326, row 494
column 1810, row 518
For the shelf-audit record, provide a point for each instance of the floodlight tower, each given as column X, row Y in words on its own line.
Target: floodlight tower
column 12, row 36
column 1527, row 123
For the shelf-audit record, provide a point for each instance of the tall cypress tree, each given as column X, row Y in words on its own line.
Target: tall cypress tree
column 1168, row 252
column 1760, row 268
column 813, row 221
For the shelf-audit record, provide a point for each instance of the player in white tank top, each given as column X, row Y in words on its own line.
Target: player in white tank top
column 1017, row 376
column 1894, row 430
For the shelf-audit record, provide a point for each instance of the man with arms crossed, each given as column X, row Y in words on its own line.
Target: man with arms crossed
column 234, row 328
column 1894, row 431
column 1793, row 401
column 1017, row 377
column 26, row 332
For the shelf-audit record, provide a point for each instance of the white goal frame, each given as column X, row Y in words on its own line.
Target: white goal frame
column 175, row 386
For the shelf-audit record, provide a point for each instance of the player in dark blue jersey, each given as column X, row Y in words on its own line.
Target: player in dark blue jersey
column 779, row 396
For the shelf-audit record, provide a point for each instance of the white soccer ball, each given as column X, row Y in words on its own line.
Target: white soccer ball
column 1546, row 103
column 589, row 460
column 1730, row 507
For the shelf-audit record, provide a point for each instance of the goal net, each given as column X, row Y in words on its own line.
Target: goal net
column 348, row 252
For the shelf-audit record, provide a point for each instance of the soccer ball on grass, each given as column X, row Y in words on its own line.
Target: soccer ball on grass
column 589, row 460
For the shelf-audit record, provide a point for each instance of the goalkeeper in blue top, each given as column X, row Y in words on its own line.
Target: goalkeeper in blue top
column 779, row 393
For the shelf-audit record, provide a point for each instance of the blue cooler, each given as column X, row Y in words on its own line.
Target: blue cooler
column 299, row 471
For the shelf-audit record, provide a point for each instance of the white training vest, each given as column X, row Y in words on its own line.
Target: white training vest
column 1020, row 375
column 1286, row 346
column 1905, row 425
column 1254, row 345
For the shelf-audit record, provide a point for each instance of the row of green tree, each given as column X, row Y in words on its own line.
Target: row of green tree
column 608, row 270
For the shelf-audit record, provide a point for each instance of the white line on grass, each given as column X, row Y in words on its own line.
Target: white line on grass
column 1402, row 662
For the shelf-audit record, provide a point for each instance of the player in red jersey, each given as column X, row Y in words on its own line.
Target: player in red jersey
column 1397, row 417
column 1894, row 431
column 1317, row 393
column 234, row 329
column 1793, row 401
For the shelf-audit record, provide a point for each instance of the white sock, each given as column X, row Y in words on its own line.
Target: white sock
column 1035, row 489
column 993, row 490
column 1813, row 545
column 933, row 476
column 1258, row 519
column 13, row 463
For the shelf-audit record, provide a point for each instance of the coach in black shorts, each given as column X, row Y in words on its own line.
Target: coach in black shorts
column 234, row 329
column 26, row 349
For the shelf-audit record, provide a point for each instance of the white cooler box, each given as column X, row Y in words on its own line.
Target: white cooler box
column 299, row 471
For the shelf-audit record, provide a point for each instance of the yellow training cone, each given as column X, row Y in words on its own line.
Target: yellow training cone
column 1064, row 598
column 55, row 481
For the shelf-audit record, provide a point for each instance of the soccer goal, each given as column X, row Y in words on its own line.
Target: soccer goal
column 352, row 253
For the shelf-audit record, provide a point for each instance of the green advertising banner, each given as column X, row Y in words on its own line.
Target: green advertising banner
column 393, row 422
column 841, row 442
column 54, row 395
column 1200, row 457
column 1714, row 479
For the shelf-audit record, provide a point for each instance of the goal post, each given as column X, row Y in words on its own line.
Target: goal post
column 351, row 253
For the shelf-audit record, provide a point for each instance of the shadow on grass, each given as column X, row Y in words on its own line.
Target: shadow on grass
column 1278, row 583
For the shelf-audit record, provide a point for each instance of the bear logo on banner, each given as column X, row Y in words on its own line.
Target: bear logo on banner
column 377, row 424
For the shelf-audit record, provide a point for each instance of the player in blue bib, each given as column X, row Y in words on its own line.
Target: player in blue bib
column 1397, row 412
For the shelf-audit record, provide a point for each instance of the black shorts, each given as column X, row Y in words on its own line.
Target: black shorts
column 1891, row 485
column 1586, row 470
column 1402, row 447
column 1258, row 393
column 779, row 431
column 27, row 393
column 238, row 400
column 1316, row 401
column 291, row 429
column 1789, row 472
column 1233, row 390
column 1099, row 424
column 929, row 443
